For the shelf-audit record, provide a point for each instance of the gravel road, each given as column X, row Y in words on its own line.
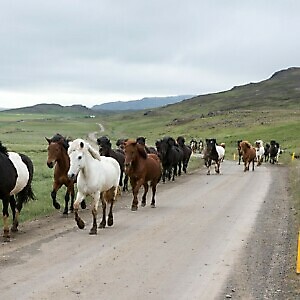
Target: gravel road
column 210, row 237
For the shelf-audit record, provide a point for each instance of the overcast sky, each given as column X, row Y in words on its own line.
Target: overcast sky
column 94, row 51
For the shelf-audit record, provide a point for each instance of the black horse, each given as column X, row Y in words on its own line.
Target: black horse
column 171, row 157
column 274, row 152
column 118, row 154
column 15, row 185
column 187, row 152
column 267, row 152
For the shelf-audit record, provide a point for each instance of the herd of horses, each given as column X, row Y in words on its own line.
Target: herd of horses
column 102, row 173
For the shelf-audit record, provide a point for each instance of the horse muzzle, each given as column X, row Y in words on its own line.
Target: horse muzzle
column 72, row 176
column 50, row 164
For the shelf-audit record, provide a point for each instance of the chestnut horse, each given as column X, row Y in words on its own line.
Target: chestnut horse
column 249, row 154
column 59, row 159
column 141, row 168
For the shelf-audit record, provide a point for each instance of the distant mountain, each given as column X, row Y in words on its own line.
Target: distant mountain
column 52, row 109
column 145, row 103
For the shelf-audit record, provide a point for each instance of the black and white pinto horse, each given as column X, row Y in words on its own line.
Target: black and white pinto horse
column 118, row 154
column 187, row 152
column 15, row 185
column 171, row 157
column 274, row 152
column 213, row 152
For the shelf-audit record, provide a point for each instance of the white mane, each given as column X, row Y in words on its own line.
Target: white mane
column 80, row 144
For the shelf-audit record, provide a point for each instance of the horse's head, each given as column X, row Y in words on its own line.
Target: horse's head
column 3, row 149
column 133, row 151
column 210, row 145
column 104, row 145
column 78, row 151
column 141, row 140
column 181, row 141
column 56, row 151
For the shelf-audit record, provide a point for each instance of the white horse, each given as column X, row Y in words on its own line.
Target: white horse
column 98, row 177
column 260, row 151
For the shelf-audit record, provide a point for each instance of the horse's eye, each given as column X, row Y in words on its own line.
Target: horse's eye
column 79, row 157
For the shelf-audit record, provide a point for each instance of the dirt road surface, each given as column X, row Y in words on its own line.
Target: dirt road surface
column 210, row 237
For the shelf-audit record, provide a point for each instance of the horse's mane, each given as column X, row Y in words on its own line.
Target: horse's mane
column 80, row 144
column 58, row 137
column 3, row 149
column 248, row 145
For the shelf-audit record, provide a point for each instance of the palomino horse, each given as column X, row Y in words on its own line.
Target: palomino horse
column 16, row 177
column 97, row 176
column 59, row 159
column 213, row 152
column 249, row 154
column 141, row 168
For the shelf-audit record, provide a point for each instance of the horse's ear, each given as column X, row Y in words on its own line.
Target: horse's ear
column 81, row 144
column 48, row 140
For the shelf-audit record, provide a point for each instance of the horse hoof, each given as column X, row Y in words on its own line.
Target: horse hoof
column 153, row 205
column 83, row 204
column 65, row 212
column 143, row 204
column 80, row 224
column 134, row 208
column 110, row 222
column 101, row 225
column 56, row 205
column 14, row 229
column 93, row 231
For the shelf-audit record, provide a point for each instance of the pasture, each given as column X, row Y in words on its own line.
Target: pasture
column 26, row 133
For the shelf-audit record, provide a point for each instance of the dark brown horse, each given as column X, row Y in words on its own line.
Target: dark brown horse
column 249, row 154
column 239, row 150
column 118, row 154
column 59, row 159
column 141, row 168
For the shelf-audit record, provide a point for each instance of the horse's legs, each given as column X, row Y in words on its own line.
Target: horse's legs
column 135, row 190
column 15, row 213
column 252, row 165
column 179, row 168
column 67, row 198
column 153, row 185
column 164, row 175
column 56, row 187
column 174, row 172
column 125, row 183
column 78, row 220
column 217, row 167
column 103, row 221
column 111, row 199
column 208, row 164
column 146, row 188
column 6, row 234
column 96, row 196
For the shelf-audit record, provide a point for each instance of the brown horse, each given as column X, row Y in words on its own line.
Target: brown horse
column 59, row 159
column 141, row 168
column 249, row 154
